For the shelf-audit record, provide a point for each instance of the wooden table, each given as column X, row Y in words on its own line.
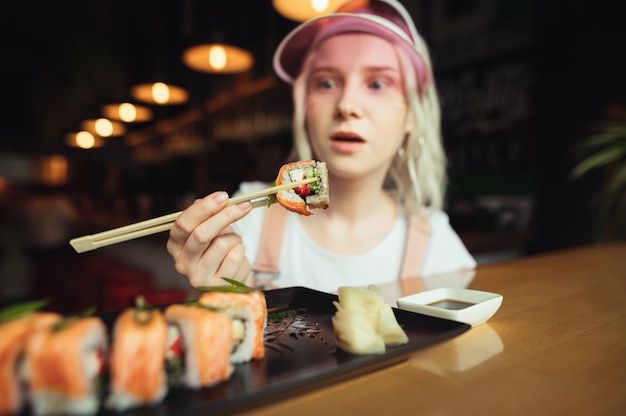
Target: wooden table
column 557, row 346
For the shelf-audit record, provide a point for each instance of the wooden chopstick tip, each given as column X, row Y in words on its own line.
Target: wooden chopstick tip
column 82, row 244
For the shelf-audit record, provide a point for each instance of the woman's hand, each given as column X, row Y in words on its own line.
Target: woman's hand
column 204, row 246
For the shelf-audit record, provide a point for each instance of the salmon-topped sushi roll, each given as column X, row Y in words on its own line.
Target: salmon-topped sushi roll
column 137, row 359
column 303, row 198
column 64, row 366
column 200, row 343
column 249, row 313
column 13, row 336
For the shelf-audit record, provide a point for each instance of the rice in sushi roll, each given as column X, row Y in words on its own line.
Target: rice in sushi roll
column 302, row 199
column 248, row 309
column 200, row 342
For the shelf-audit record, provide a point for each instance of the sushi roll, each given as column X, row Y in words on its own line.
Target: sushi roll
column 137, row 359
column 248, row 309
column 13, row 336
column 65, row 365
column 302, row 199
column 200, row 341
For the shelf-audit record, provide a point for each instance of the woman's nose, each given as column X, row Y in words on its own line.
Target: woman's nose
column 348, row 105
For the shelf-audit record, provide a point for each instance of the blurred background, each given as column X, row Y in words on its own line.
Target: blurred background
column 520, row 82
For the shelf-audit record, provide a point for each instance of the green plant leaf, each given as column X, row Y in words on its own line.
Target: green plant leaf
column 606, row 148
column 599, row 143
column 597, row 159
column 20, row 309
column 594, row 141
column 618, row 180
column 608, row 136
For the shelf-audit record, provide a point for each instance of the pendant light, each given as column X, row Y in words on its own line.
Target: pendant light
column 103, row 127
column 302, row 10
column 159, row 93
column 127, row 112
column 218, row 58
column 209, row 31
column 84, row 140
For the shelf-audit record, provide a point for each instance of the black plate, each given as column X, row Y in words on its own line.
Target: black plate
column 300, row 355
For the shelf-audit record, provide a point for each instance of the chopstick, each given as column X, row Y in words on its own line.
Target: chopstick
column 165, row 222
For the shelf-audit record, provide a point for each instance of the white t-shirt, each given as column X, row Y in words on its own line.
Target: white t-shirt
column 304, row 263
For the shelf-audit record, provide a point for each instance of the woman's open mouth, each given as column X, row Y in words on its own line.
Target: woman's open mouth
column 346, row 142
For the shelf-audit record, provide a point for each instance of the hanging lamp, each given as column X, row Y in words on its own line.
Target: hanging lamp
column 103, row 127
column 217, row 58
column 302, row 10
column 127, row 112
column 159, row 93
column 210, row 27
column 84, row 140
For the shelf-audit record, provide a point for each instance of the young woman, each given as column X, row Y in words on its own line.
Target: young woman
column 366, row 104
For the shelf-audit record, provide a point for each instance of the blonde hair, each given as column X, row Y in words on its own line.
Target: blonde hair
column 417, row 175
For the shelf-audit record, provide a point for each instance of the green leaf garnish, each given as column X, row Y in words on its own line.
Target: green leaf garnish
column 276, row 317
column 20, row 309
column 235, row 282
column 271, row 198
column 143, row 312
column 65, row 322
column 142, row 303
column 196, row 304
column 175, row 366
column 87, row 313
column 235, row 287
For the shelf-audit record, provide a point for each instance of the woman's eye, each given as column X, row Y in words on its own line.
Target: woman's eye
column 326, row 84
column 378, row 84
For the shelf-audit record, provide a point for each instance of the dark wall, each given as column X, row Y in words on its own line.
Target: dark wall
column 520, row 82
column 580, row 63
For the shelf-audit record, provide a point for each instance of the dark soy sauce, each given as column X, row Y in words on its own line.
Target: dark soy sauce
column 451, row 304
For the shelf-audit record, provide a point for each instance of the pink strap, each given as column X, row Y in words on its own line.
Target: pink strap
column 418, row 233
column 417, row 236
column 271, row 240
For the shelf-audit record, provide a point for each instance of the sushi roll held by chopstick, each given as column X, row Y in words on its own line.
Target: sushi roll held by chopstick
column 137, row 359
column 200, row 341
column 65, row 365
column 302, row 199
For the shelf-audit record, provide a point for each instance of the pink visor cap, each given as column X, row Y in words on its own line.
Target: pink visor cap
column 387, row 19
